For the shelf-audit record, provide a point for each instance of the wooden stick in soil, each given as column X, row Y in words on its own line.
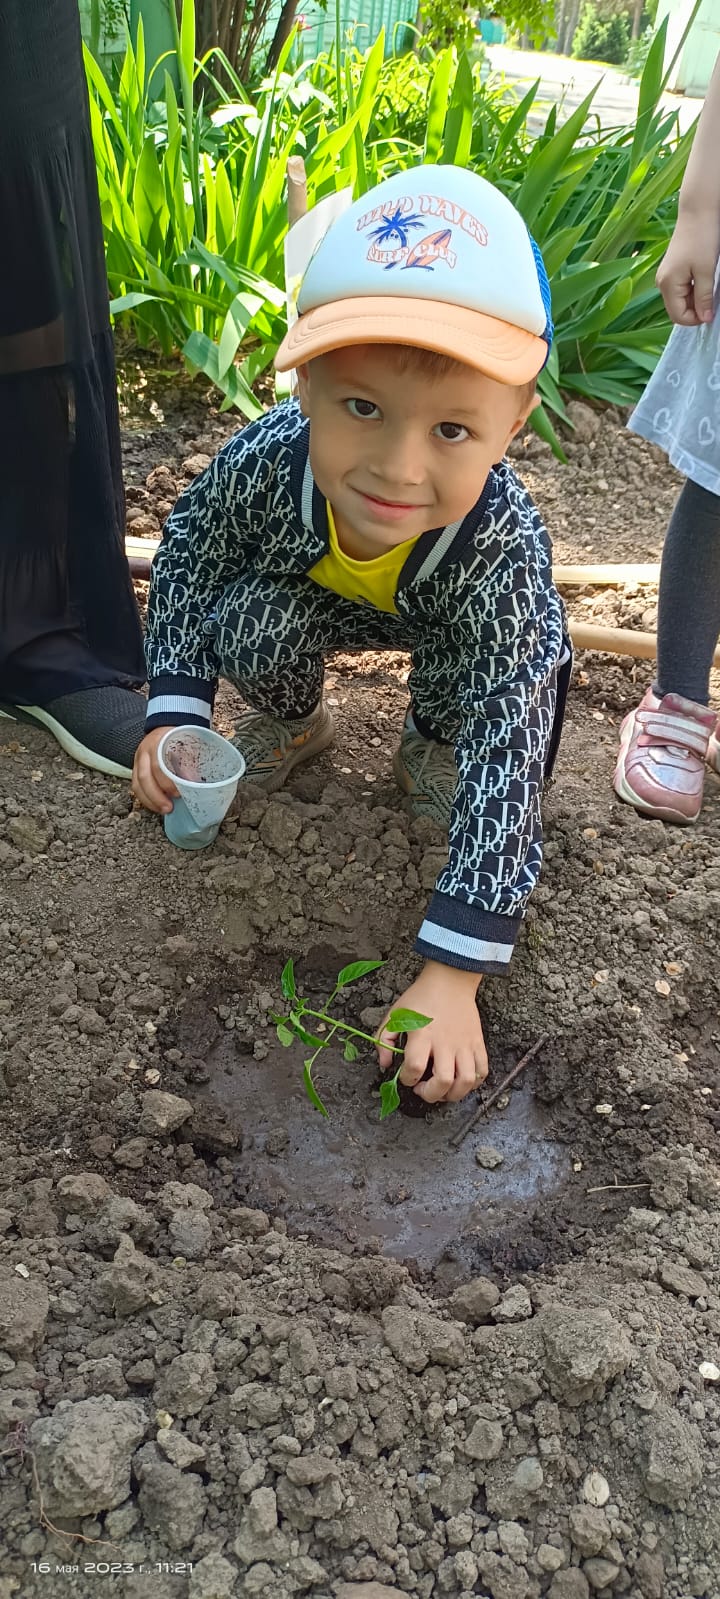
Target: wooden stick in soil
column 458, row 1137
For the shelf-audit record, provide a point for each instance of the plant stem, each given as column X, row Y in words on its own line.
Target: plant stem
column 321, row 1016
column 324, row 1044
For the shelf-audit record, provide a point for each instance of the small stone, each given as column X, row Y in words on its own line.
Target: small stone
column 528, row 1475
column 81, row 1194
column 600, row 1573
column 649, row 1575
column 186, row 1196
column 674, row 1465
column 190, row 1233
column 133, row 1154
column 589, row 1529
column 213, row 1577
column 474, row 1301
column 416, row 1339
column 681, row 1280
column 513, row 1541
column 130, row 1282
column 29, row 834
column 280, row 827
column 569, row 1584
column 193, row 465
column 24, row 1308
column 163, row 1113
column 584, row 1350
column 179, row 1449
column 515, row 1305
column 488, row 1157
column 173, row 1502
column 549, row 1558
column 586, row 423
column 260, row 1537
column 596, row 1489
column 83, row 1453
column 485, row 1440
column 709, row 1371
column 186, row 1384
column 303, row 1351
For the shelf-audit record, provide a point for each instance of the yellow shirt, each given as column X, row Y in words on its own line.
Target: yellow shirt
column 366, row 582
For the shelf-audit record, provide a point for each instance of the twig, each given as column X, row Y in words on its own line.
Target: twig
column 615, row 1187
column 458, row 1137
column 17, row 1443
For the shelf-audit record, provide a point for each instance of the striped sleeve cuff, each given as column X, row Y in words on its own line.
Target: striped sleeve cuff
column 179, row 702
column 458, row 934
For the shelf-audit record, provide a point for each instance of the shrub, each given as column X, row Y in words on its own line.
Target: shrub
column 193, row 202
column 601, row 38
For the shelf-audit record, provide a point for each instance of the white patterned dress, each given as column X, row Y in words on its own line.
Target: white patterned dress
column 680, row 408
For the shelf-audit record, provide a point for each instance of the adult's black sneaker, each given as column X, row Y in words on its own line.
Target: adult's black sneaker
column 98, row 727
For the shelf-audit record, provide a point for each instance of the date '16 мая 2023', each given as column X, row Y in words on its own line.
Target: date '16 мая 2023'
column 114, row 1568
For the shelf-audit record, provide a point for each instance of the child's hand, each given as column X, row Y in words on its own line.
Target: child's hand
column 686, row 274
column 149, row 784
column 453, row 1039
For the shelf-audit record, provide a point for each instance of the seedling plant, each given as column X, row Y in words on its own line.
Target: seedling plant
column 292, row 1027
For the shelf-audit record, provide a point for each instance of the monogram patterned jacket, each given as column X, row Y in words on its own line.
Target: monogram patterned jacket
column 481, row 591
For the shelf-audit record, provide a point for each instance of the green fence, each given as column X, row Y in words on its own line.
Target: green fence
column 360, row 22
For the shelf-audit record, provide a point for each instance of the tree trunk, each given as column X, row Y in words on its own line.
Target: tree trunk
column 638, row 8
column 285, row 24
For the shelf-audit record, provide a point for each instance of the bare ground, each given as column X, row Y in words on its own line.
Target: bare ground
column 245, row 1351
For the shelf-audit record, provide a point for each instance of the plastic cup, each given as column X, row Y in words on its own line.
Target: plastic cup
column 206, row 770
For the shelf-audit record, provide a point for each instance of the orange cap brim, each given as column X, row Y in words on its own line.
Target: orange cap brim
column 498, row 349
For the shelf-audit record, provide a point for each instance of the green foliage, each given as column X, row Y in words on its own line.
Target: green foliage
column 447, row 22
column 290, row 1027
column 193, row 201
column 600, row 38
column 535, row 18
column 638, row 52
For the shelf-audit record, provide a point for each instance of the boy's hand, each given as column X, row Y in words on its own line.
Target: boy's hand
column 149, row 784
column 453, row 1039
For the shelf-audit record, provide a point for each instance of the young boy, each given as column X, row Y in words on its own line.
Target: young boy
column 379, row 511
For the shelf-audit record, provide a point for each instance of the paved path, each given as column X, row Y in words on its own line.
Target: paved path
column 568, row 81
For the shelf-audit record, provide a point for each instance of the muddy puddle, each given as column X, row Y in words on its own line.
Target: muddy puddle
column 396, row 1186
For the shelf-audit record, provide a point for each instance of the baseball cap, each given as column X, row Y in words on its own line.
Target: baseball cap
column 434, row 257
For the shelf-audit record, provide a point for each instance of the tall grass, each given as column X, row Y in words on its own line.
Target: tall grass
column 193, row 200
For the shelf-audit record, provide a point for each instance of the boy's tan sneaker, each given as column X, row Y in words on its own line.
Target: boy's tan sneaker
column 427, row 772
column 272, row 746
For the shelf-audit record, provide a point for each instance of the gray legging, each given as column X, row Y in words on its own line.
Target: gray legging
column 689, row 606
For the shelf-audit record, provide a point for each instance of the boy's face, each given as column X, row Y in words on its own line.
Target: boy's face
column 397, row 452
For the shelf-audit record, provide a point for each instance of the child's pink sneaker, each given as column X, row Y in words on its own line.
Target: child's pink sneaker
column 663, row 747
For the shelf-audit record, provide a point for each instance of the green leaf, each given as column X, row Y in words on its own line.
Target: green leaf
column 201, row 353
column 287, row 980
column 356, row 970
column 284, row 1034
column 311, row 1090
column 389, row 1098
column 546, row 162
column 350, row 1051
column 405, row 1021
column 244, row 307
column 437, row 105
column 130, row 302
column 459, row 121
column 306, row 1037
